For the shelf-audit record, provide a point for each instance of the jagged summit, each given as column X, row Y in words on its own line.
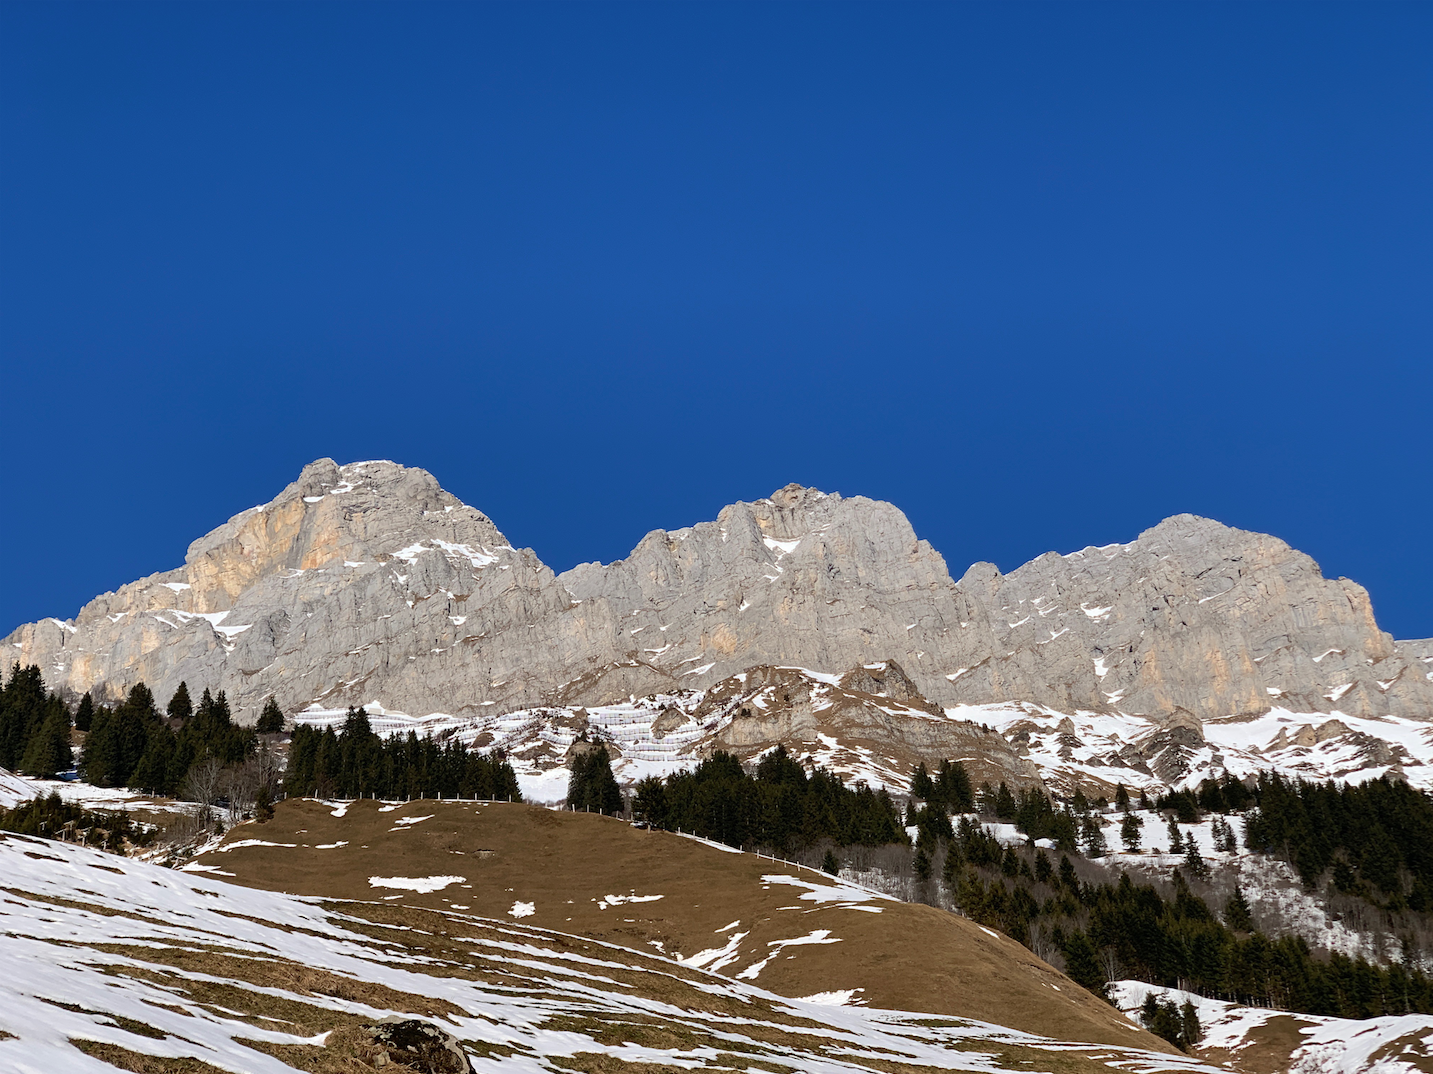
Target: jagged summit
column 369, row 583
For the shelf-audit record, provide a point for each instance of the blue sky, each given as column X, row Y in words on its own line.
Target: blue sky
column 1039, row 275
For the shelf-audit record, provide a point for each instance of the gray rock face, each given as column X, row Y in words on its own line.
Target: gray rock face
column 368, row 583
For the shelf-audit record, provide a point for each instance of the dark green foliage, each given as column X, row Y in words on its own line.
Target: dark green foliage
column 1178, row 1024
column 1036, row 816
column 829, row 864
column 54, row 818
column 119, row 737
column 264, row 805
column 1130, row 827
column 1122, row 799
column 1082, row 963
column 34, row 726
column 1092, row 838
column 1236, row 912
column 84, row 713
column 1381, row 831
column 591, row 787
column 950, row 791
column 1173, row 940
column 358, row 763
column 180, row 707
column 271, row 719
column 781, row 807
column 49, row 751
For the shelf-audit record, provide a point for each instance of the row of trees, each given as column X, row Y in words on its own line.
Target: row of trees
column 356, row 762
column 131, row 745
column 34, row 726
column 781, row 807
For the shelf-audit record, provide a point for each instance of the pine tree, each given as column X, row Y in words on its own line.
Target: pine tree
column 829, row 864
column 85, row 713
column 49, row 753
column 1237, row 914
column 921, row 785
column 1004, row 802
column 1122, row 799
column 1082, row 964
column 1093, row 838
column 180, row 707
column 1193, row 860
column 1130, row 831
column 271, row 719
column 1176, row 840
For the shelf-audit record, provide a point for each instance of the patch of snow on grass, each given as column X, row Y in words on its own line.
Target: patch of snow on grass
column 422, row 884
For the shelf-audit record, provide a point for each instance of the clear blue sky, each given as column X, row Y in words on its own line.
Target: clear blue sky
column 1040, row 275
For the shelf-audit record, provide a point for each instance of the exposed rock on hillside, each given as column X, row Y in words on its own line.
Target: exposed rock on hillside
column 368, row 583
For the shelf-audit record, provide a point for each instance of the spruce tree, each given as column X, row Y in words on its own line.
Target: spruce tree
column 180, row 707
column 1130, row 832
column 829, row 864
column 85, row 713
column 1237, row 914
column 48, row 753
column 1122, row 799
column 1082, row 964
column 271, row 719
column 1093, row 838
column 1176, row 840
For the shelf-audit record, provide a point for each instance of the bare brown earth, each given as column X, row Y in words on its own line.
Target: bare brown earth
column 906, row 957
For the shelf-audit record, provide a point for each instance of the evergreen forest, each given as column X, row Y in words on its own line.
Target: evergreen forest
column 357, row 762
column 780, row 807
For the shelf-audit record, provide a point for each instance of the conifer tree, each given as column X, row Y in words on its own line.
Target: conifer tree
column 1122, row 799
column 180, row 707
column 1093, row 838
column 271, row 719
column 1082, row 964
column 84, row 713
column 49, row 753
column 921, row 785
column 1176, row 840
column 829, row 864
column 1130, row 831
column 1237, row 914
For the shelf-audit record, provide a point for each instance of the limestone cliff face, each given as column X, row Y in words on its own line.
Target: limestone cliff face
column 1192, row 617
column 368, row 583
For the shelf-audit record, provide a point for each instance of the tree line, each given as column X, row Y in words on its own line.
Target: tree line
column 780, row 806
column 357, row 762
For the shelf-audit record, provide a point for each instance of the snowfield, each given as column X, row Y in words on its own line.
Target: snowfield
column 1394, row 1045
column 107, row 957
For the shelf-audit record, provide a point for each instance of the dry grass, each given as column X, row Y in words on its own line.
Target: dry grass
column 139, row 1063
column 908, row 957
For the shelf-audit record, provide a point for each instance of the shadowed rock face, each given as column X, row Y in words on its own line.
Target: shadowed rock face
column 368, row 583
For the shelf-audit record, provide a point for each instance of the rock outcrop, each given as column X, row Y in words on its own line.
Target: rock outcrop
column 368, row 583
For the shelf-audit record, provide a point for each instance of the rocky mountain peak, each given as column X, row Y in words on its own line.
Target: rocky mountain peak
column 368, row 583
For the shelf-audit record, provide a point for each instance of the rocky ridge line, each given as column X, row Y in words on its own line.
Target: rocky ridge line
column 369, row 582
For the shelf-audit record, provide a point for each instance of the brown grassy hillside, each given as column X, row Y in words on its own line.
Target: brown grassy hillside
column 566, row 867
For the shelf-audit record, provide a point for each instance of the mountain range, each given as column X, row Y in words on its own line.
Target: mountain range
column 805, row 617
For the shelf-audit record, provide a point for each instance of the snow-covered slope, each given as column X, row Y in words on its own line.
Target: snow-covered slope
column 109, row 961
column 1261, row 1039
column 14, row 789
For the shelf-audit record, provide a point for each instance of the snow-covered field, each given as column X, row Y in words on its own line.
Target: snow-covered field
column 105, row 953
column 1315, row 746
column 1392, row 1045
column 15, row 789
